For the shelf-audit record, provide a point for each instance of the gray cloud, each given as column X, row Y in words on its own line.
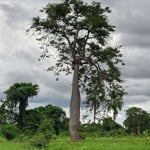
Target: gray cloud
column 15, row 14
column 131, row 21
column 19, row 54
column 137, row 61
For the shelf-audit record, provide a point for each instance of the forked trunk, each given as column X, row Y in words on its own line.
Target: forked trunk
column 74, row 121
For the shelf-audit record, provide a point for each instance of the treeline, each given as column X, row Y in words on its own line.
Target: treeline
column 50, row 121
column 47, row 122
column 137, row 122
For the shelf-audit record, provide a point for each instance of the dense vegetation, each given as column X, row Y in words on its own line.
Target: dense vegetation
column 46, row 126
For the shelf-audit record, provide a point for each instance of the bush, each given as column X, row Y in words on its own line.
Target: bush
column 9, row 131
column 39, row 141
column 46, row 127
column 146, row 133
column 45, row 132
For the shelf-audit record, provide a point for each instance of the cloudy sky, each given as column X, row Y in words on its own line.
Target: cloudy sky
column 19, row 53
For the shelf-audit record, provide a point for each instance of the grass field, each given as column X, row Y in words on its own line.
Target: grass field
column 110, row 143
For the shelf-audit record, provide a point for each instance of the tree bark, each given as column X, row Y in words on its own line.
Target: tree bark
column 74, row 121
column 138, row 130
column 22, row 107
column 94, row 105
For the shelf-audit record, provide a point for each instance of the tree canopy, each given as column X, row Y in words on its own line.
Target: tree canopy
column 18, row 94
column 137, row 121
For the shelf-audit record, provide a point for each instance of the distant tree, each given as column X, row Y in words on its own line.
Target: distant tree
column 79, row 31
column 137, row 120
column 18, row 94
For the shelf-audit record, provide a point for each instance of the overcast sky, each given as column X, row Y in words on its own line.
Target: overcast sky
column 19, row 53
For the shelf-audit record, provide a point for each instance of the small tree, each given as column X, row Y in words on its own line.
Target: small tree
column 18, row 94
column 79, row 31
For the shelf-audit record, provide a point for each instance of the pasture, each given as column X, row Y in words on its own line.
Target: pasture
column 102, row 143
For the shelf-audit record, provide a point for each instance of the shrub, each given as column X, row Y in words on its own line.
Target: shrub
column 45, row 132
column 39, row 141
column 146, row 132
column 9, row 131
column 46, row 127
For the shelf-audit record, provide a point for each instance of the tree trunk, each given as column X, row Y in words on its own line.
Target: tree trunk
column 94, row 111
column 74, row 121
column 22, row 107
column 138, row 130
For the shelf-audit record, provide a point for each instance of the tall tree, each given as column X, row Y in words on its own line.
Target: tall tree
column 79, row 31
column 18, row 94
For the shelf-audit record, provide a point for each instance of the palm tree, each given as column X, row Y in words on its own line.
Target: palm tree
column 18, row 94
column 114, row 105
column 114, row 100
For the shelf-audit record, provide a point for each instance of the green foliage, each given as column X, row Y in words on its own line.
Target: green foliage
column 146, row 132
column 91, row 128
column 106, row 128
column 45, row 133
column 50, row 115
column 137, row 120
column 9, row 131
column 39, row 141
column 20, row 91
column 33, row 120
column 109, row 124
column 18, row 94
column 46, row 127
column 54, row 113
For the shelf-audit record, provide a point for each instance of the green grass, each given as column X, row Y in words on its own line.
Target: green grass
column 124, row 143
column 106, row 143
column 13, row 146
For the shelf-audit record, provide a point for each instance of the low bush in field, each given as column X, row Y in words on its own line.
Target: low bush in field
column 9, row 131
column 39, row 141
column 44, row 135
